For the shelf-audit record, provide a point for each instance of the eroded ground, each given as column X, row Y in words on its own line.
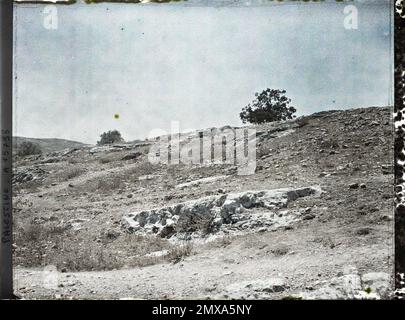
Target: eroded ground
column 70, row 209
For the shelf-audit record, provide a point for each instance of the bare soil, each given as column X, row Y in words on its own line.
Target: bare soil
column 69, row 207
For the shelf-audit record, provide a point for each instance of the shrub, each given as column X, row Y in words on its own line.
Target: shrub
column 178, row 253
column 34, row 232
column 88, row 258
column 109, row 184
column 194, row 223
column 270, row 105
column 27, row 148
column 263, row 151
column 110, row 137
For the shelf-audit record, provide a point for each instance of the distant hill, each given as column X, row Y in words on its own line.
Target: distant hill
column 49, row 145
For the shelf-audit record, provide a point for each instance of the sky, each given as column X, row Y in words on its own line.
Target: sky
column 198, row 65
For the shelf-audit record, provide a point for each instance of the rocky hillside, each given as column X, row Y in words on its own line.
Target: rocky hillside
column 313, row 221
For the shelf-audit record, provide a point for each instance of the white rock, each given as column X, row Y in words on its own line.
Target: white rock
column 226, row 211
column 170, row 222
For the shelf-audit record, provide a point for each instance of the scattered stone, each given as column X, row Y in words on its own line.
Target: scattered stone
column 354, row 185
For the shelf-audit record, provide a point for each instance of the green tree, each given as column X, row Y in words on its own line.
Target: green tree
column 110, row 137
column 269, row 105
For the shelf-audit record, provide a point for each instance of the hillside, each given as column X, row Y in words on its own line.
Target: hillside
column 314, row 220
column 48, row 145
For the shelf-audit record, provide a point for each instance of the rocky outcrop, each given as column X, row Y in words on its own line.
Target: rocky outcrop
column 111, row 148
column 223, row 213
column 26, row 174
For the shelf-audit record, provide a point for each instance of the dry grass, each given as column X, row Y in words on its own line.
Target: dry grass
column 74, row 172
column 263, row 150
column 280, row 250
column 195, row 223
column 326, row 163
column 178, row 253
column 66, row 174
column 87, row 258
column 32, row 186
column 41, row 244
column 109, row 184
column 142, row 169
column 35, row 232
column 224, row 241
column 73, row 161
column 36, row 238
column 105, row 160
column 141, row 245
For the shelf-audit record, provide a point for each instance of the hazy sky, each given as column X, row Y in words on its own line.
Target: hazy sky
column 153, row 64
